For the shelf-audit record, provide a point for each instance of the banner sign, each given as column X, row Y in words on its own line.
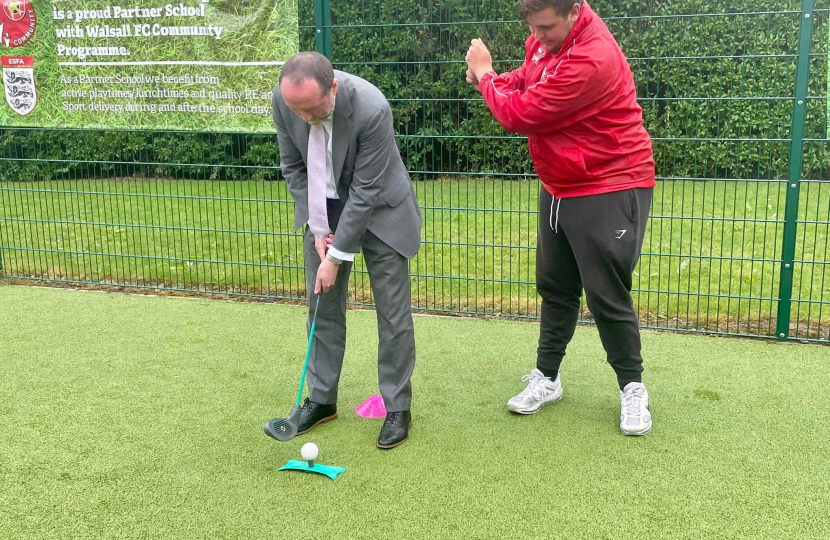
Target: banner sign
column 186, row 65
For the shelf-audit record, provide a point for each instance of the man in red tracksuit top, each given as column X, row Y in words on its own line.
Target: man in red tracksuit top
column 575, row 99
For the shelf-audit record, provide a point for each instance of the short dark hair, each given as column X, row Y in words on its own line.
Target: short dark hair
column 562, row 7
column 309, row 65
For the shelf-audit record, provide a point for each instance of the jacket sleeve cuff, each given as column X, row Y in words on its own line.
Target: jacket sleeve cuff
column 343, row 256
column 487, row 75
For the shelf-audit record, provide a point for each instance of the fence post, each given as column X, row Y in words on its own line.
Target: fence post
column 802, row 73
column 322, row 27
column 2, row 272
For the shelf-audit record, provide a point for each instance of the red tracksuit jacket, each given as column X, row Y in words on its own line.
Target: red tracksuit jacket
column 579, row 110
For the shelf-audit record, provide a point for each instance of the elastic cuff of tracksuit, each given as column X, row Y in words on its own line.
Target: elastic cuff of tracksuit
column 623, row 381
column 547, row 372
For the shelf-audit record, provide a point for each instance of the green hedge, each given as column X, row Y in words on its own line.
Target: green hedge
column 75, row 154
column 413, row 51
column 734, row 56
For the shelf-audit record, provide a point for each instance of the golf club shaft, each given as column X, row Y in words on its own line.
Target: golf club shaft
column 308, row 349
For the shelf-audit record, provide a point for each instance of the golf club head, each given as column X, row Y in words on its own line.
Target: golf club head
column 284, row 429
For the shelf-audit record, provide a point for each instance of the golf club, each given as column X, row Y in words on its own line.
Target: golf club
column 284, row 429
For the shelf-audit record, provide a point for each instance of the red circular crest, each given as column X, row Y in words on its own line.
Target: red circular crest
column 17, row 22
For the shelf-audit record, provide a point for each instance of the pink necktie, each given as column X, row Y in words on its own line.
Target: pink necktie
column 318, row 219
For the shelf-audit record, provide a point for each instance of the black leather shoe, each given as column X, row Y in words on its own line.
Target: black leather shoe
column 313, row 414
column 395, row 430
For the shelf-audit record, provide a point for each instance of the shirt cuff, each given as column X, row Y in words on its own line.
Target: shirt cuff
column 337, row 254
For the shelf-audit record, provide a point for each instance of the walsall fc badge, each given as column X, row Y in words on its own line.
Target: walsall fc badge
column 17, row 22
column 19, row 83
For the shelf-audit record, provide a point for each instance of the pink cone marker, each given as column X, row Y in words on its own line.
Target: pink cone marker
column 372, row 408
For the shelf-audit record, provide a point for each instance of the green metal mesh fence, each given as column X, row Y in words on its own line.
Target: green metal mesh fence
column 736, row 103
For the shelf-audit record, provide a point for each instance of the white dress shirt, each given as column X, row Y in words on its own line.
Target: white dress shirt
column 331, row 185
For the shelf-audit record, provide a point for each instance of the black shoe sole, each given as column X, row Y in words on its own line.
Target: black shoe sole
column 321, row 421
column 387, row 447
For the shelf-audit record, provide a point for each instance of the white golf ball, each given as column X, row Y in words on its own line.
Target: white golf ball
column 309, row 451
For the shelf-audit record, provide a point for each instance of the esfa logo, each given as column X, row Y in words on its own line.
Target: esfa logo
column 17, row 22
column 19, row 83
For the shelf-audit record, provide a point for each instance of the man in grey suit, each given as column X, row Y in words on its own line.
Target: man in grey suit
column 343, row 169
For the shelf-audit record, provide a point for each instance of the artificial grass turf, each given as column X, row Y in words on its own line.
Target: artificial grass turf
column 132, row 417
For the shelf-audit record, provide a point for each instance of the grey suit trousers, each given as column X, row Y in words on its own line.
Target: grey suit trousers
column 389, row 278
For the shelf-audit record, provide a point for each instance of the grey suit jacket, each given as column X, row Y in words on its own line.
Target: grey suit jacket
column 372, row 181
